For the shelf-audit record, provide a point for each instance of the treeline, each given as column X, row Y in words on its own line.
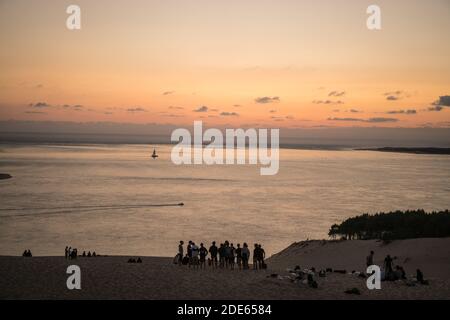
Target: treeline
column 394, row 225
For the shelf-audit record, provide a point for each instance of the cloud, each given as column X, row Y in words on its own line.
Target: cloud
column 237, row 105
column 327, row 102
column 376, row 120
column 272, row 111
column 39, row 105
column 354, row 111
column 76, row 107
column 440, row 104
column 166, row 93
column 201, row 109
column 370, row 120
column 396, row 95
column 336, row 93
column 409, row 111
column 137, row 109
column 435, row 108
column 264, row 100
column 392, row 98
column 229, row 114
column 172, row 115
column 345, row 119
column 444, row 101
column 35, row 112
column 176, row 108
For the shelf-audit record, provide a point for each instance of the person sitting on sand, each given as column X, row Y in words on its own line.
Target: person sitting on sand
column 399, row 273
column 84, row 254
column 203, row 253
column 420, row 278
column 89, row 254
column 69, row 251
column 245, row 253
column 139, row 260
column 74, row 254
column 369, row 259
column 94, row 254
column 29, row 253
column 213, row 251
column 25, row 253
column 66, row 252
column 180, row 252
column 239, row 256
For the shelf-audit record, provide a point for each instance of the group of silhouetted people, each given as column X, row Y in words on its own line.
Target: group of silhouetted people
column 70, row 253
column 27, row 253
column 226, row 255
column 389, row 273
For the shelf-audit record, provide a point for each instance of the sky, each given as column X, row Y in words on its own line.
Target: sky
column 252, row 63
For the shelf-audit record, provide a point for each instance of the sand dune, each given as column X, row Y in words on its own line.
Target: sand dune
column 159, row 278
column 432, row 256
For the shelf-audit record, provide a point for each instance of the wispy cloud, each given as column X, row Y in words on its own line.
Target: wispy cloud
column 435, row 108
column 201, row 109
column 396, row 95
column 409, row 112
column 39, row 105
column 76, row 107
column 336, row 93
column 166, row 93
column 264, row 100
column 35, row 112
column 176, row 108
column 327, row 102
column 370, row 120
column 229, row 114
column 136, row 109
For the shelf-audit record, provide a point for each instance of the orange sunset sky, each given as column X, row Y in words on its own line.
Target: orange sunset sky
column 266, row 63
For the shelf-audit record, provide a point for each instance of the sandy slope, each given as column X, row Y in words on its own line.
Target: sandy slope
column 158, row 278
column 432, row 256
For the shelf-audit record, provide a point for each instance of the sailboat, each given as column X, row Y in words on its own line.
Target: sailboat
column 154, row 155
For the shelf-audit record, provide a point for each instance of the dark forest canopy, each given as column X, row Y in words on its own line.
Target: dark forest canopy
column 394, row 225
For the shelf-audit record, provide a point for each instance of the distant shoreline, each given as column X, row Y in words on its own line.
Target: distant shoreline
column 424, row 150
column 305, row 147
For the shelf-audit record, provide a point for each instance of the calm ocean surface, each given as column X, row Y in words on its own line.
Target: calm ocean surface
column 57, row 193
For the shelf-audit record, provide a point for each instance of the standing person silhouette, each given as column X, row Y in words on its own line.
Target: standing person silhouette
column 239, row 256
column 203, row 253
column 213, row 251
column 256, row 257
column 369, row 259
column 245, row 253
column 180, row 253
